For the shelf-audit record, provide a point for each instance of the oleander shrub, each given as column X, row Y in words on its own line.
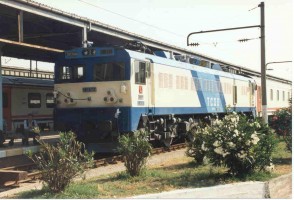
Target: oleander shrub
column 265, row 147
column 234, row 142
column 196, row 146
column 61, row 163
column 135, row 150
column 281, row 122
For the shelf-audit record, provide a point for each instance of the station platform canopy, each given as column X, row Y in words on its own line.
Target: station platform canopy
column 34, row 31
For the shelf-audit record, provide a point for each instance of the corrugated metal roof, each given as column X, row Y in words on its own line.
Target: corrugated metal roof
column 12, row 80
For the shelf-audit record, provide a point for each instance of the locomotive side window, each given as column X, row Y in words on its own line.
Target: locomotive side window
column 49, row 100
column 34, row 100
column 235, row 95
column 109, row 72
column 140, row 72
column 78, row 72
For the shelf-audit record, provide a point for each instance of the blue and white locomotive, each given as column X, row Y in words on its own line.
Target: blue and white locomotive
column 104, row 92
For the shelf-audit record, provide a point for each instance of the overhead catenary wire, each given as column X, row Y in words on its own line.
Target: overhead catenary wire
column 224, row 42
column 129, row 18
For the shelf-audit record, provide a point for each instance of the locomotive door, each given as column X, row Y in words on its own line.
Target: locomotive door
column 258, row 100
column 144, row 81
column 150, row 87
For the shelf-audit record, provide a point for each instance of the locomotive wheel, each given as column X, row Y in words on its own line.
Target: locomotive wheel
column 190, row 137
column 167, row 142
column 11, row 143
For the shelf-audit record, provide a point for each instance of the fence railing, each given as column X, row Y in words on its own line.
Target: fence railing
column 12, row 71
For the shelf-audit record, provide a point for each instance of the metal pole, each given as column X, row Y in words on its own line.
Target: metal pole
column 276, row 63
column 217, row 30
column 84, row 37
column 263, row 67
column 20, row 26
column 30, row 68
column 37, row 69
column 1, row 97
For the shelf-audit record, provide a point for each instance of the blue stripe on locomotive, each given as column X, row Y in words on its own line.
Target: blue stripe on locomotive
column 218, row 99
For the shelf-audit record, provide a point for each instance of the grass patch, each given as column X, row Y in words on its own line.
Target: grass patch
column 281, row 155
column 176, row 176
column 74, row 191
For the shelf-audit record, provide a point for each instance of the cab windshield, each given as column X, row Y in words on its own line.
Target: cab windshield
column 109, row 72
column 71, row 73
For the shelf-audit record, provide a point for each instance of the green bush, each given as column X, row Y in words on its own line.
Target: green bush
column 281, row 122
column 233, row 142
column 135, row 149
column 265, row 148
column 196, row 147
column 60, row 164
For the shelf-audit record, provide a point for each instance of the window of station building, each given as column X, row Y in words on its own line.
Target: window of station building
column 34, row 100
column 278, row 95
column 140, row 72
column 109, row 72
column 49, row 100
column 271, row 94
column 283, row 95
column 4, row 100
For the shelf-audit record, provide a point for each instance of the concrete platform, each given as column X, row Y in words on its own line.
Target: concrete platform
column 19, row 149
column 280, row 187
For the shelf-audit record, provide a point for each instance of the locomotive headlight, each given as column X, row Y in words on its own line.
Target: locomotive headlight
column 55, row 93
column 85, row 52
column 123, row 88
column 93, row 52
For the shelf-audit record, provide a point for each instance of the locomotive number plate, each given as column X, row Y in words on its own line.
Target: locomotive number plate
column 89, row 89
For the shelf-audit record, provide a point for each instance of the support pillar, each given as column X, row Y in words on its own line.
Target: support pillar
column 20, row 26
column 84, row 37
column 37, row 69
column 263, row 67
column 1, row 86
column 30, row 68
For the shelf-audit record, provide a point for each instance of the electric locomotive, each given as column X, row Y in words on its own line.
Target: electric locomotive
column 102, row 92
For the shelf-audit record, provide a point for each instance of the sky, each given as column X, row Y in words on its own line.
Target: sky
column 170, row 21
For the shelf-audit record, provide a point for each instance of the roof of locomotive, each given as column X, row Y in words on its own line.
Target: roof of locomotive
column 104, row 52
column 183, row 65
column 12, row 80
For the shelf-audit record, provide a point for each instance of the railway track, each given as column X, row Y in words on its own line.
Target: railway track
column 34, row 174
